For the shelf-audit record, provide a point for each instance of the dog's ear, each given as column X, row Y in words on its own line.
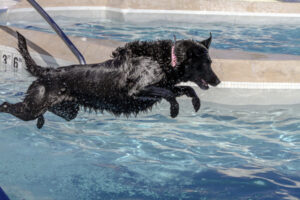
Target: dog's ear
column 207, row 42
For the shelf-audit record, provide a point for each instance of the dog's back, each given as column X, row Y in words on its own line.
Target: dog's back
column 121, row 75
column 159, row 50
column 109, row 78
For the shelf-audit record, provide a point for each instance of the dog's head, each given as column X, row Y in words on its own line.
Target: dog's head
column 194, row 58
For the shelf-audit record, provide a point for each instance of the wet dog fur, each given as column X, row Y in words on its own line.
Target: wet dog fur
column 138, row 76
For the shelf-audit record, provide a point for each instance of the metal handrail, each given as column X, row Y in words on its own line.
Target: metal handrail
column 58, row 30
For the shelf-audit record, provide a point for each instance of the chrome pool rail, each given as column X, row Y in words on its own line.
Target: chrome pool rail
column 58, row 30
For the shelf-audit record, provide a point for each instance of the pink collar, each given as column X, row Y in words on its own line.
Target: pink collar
column 173, row 56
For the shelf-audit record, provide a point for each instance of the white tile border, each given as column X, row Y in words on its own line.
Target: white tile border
column 259, row 85
column 255, row 85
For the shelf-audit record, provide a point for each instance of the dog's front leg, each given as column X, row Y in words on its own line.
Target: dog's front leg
column 158, row 92
column 66, row 109
column 190, row 92
column 34, row 105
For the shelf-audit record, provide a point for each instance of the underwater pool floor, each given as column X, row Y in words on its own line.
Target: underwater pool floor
column 222, row 152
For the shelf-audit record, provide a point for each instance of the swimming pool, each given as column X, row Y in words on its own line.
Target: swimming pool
column 221, row 152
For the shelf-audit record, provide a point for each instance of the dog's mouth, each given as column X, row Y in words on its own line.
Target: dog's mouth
column 202, row 84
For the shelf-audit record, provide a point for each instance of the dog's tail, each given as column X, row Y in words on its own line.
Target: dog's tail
column 31, row 66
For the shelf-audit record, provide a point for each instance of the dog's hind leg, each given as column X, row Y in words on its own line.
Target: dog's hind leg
column 34, row 105
column 190, row 92
column 22, row 111
column 158, row 92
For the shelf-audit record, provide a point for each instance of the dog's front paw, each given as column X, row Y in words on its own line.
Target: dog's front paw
column 196, row 103
column 174, row 110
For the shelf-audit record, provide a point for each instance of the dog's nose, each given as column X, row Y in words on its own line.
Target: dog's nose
column 217, row 81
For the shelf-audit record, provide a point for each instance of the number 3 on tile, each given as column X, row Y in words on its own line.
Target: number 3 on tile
column 6, row 59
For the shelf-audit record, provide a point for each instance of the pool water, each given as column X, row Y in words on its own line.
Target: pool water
column 264, row 38
column 222, row 152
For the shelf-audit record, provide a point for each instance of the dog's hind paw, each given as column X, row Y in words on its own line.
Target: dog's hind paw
column 196, row 103
column 40, row 122
column 174, row 110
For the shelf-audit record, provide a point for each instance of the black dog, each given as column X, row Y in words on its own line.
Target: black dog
column 138, row 76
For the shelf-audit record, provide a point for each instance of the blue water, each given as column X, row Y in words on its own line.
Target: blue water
column 220, row 153
column 279, row 39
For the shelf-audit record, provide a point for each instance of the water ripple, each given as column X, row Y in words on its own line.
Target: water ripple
column 222, row 152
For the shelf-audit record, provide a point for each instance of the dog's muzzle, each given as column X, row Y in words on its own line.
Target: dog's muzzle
column 204, row 85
